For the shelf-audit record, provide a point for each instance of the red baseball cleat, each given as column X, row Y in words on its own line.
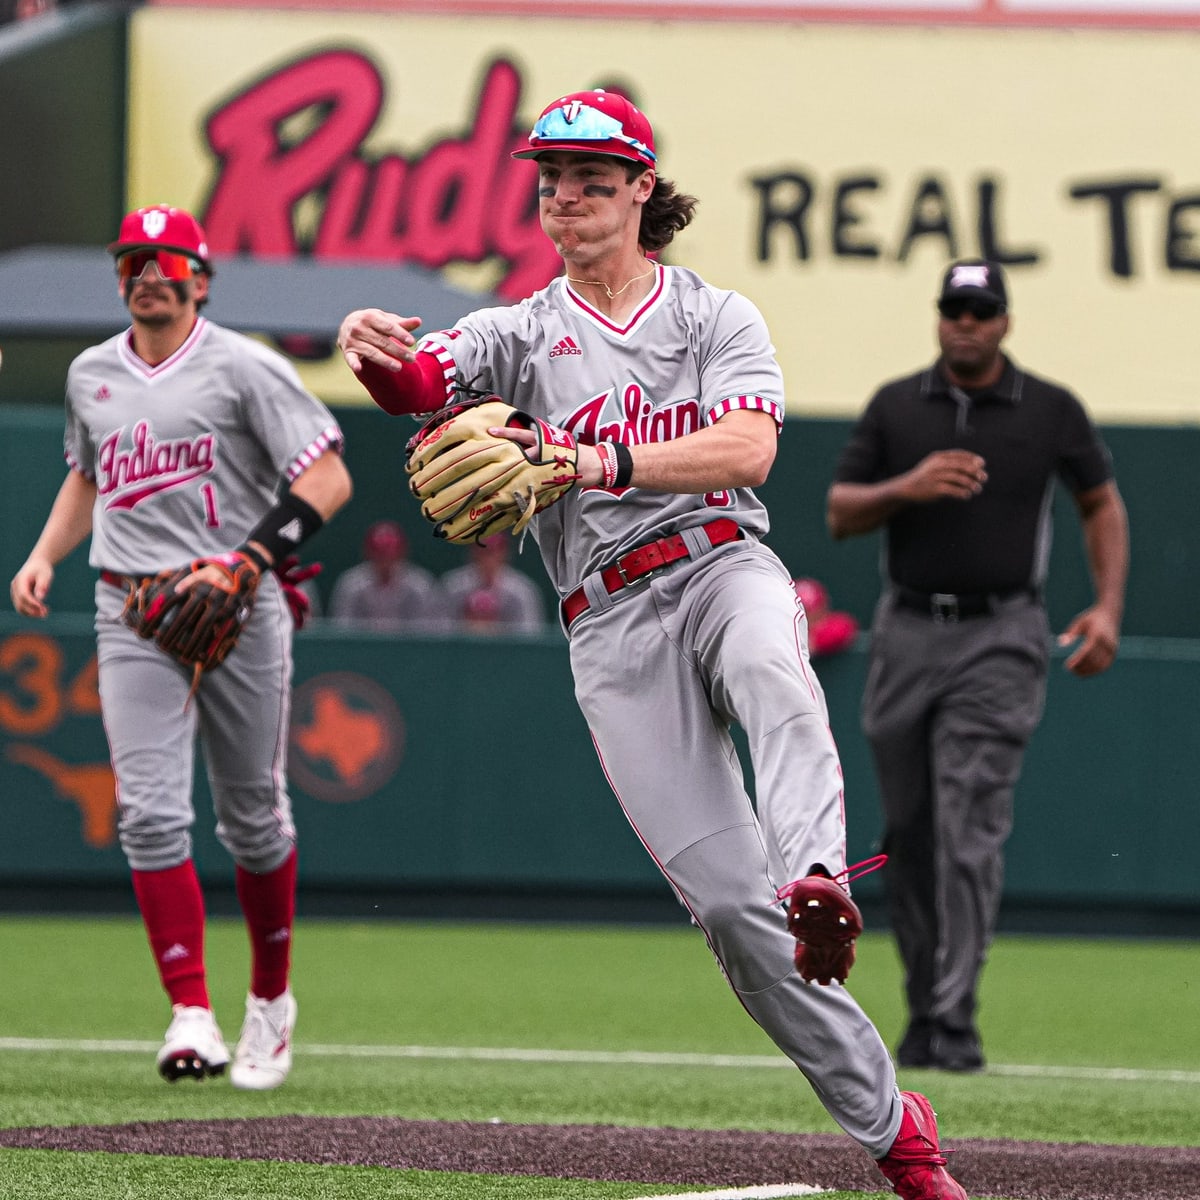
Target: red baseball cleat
column 824, row 921
column 915, row 1166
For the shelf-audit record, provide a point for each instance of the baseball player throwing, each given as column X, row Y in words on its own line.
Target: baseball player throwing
column 178, row 435
column 663, row 395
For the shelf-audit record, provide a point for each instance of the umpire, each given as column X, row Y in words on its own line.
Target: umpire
column 957, row 463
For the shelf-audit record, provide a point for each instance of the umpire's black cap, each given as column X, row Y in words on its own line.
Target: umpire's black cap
column 975, row 279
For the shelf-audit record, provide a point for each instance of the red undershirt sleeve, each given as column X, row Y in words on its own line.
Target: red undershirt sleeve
column 419, row 387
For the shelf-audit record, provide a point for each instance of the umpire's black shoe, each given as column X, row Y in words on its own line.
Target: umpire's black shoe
column 916, row 1046
column 956, row 1050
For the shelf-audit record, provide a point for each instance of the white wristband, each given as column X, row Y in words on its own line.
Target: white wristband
column 608, row 462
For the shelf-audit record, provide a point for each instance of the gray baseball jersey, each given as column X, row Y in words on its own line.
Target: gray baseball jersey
column 187, row 457
column 664, row 666
column 556, row 357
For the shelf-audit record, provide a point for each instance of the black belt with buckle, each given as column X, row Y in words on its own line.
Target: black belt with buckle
column 947, row 606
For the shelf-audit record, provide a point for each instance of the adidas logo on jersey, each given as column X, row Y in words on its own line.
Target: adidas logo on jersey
column 566, row 346
column 102, row 392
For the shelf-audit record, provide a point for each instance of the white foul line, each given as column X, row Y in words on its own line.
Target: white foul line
column 751, row 1193
column 640, row 1058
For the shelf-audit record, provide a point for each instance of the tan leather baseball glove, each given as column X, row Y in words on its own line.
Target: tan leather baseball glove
column 472, row 483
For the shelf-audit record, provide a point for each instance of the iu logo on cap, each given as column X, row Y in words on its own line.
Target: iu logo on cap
column 154, row 223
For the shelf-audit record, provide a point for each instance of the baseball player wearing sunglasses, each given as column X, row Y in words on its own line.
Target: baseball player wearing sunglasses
column 189, row 444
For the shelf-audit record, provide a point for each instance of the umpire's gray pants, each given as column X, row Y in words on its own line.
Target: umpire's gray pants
column 948, row 709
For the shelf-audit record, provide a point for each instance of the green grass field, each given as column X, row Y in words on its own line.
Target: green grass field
column 1087, row 1041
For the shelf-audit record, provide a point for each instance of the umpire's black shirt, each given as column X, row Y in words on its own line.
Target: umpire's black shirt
column 1026, row 429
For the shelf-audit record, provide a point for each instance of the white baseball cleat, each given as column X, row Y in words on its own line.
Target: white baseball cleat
column 263, row 1056
column 193, row 1047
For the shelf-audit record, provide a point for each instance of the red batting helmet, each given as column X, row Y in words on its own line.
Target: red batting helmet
column 161, row 227
column 595, row 122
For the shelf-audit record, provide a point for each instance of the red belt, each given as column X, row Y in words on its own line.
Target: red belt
column 124, row 582
column 637, row 564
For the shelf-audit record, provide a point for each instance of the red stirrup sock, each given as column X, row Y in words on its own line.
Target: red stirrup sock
column 269, row 906
column 172, row 908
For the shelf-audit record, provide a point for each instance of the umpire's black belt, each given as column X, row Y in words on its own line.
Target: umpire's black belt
column 639, row 563
column 947, row 606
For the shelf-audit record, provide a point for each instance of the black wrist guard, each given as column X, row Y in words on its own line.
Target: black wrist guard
column 291, row 522
column 624, row 464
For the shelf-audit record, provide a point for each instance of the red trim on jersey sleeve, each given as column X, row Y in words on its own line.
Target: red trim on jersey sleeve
column 328, row 439
column 752, row 403
column 419, row 387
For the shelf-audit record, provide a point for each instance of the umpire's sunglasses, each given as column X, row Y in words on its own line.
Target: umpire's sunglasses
column 981, row 310
column 589, row 125
column 171, row 266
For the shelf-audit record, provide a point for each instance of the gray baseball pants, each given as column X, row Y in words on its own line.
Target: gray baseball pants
column 661, row 670
column 241, row 712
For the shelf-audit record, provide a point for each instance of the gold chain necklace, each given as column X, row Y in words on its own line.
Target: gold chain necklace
column 607, row 290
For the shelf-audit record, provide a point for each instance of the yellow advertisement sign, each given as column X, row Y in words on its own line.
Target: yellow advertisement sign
column 838, row 170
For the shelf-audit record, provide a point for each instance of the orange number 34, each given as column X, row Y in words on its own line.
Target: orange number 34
column 39, row 698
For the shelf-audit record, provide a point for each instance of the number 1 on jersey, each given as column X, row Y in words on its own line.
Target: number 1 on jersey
column 210, row 505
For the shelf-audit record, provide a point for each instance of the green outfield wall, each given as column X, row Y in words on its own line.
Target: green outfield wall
column 387, row 799
column 63, row 150
column 400, row 783
column 62, row 137
column 1155, row 467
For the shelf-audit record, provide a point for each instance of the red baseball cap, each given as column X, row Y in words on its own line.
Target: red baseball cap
column 384, row 538
column 595, row 122
column 161, row 227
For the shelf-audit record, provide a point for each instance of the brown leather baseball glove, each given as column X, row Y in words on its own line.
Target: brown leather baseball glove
column 472, row 484
column 199, row 625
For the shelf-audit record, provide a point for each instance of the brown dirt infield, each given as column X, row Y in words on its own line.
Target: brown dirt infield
column 1024, row 1170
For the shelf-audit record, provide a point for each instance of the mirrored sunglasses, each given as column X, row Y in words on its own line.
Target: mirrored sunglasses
column 589, row 125
column 171, row 265
column 981, row 310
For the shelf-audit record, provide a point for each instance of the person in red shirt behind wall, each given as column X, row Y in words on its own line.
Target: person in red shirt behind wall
column 829, row 631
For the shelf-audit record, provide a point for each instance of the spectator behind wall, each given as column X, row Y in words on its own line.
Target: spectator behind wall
column 488, row 595
column 19, row 10
column 829, row 631
column 385, row 591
